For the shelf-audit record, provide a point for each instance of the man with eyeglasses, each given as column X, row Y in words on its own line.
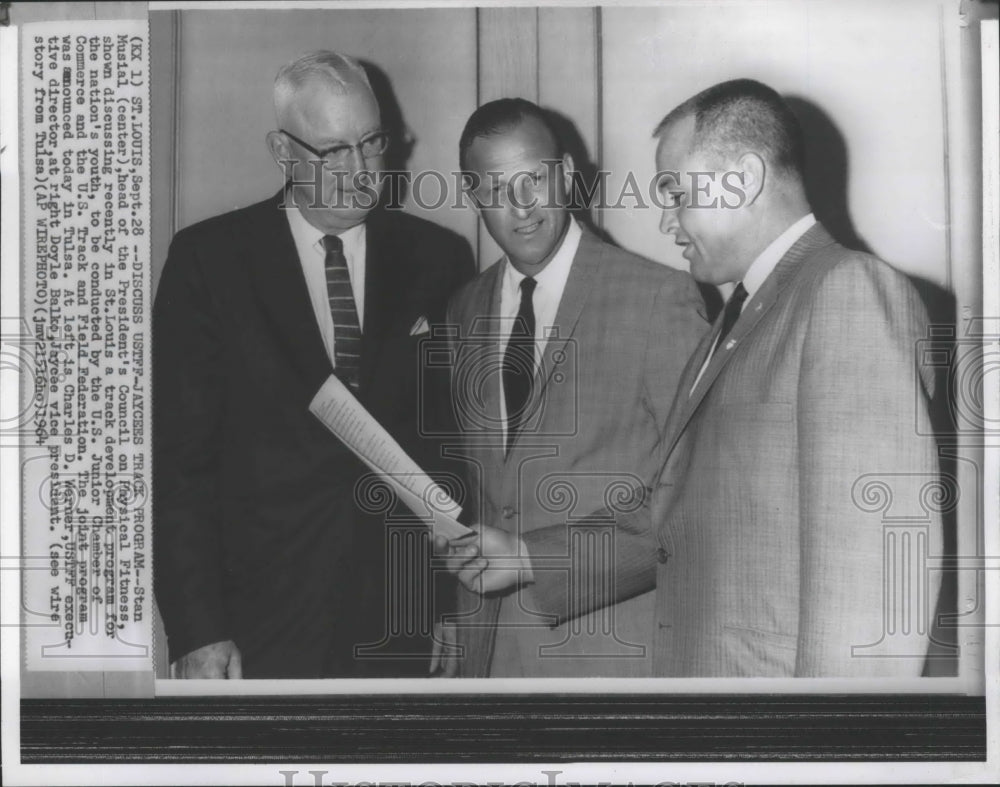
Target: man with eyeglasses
column 266, row 564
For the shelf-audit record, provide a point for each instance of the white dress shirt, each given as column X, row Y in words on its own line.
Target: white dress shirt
column 761, row 268
column 549, row 287
column 312, row 256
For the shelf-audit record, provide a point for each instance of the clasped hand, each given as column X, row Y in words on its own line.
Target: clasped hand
column 487, row 560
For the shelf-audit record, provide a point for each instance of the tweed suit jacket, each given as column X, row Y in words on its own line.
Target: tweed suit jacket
column 625, row 328
column 794, row 473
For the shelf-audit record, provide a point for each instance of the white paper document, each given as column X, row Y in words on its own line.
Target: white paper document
column 344, row 415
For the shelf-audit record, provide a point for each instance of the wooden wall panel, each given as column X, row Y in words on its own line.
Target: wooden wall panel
column 968, row 97
column 24, row 13
column 507, row 68
column 569, row 79
column 548, row 55
column 164, row 45
column 508, row 53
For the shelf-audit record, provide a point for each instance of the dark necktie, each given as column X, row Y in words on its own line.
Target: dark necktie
column 519, row 363
column 346, row 327
column 731, row 313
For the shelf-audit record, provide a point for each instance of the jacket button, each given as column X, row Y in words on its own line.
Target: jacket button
column 662, row 555
column 508, row 512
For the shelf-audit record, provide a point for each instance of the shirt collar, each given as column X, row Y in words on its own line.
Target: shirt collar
column 554, row 275
column 308, row 236
column 768, row 259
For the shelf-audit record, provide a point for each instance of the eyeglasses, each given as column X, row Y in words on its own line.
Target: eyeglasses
column 339, row 155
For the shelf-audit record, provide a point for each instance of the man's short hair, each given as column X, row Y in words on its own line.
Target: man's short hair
column 496, row 117
column 742, row 116
column 319, row 66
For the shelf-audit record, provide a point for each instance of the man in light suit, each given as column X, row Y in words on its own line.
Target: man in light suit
column 794, row 513
column 567, row 359
column 265, row 565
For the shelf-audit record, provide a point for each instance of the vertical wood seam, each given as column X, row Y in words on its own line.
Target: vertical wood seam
column 479, row 100
column 175, row 159
column 599, row 111
column 538, row 57
column 948, row 230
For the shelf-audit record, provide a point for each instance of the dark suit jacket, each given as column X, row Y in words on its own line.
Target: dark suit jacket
column 796, row 509
column 257, row 535
column 626, row 327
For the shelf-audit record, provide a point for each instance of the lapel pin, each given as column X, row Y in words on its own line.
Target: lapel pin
column 759, row 307
column 730, row 344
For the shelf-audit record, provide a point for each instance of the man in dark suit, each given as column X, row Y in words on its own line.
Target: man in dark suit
column 568, row 359
column 802, row 421
column 265, row 565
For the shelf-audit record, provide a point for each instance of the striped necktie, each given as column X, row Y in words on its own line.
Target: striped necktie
column 346, row 327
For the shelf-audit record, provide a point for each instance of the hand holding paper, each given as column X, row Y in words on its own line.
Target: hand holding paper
column 344, row 415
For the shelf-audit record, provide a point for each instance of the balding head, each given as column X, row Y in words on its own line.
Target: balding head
column 321, row 68
column 729, row 164
column 329, row 143
column 742, row 116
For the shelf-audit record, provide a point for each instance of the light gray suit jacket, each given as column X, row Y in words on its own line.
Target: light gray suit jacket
column 625, row 329
column 797, row 502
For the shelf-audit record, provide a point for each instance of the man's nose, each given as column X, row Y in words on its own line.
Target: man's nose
column 355, row 162
column 522, row 211
column 522, row 199
column 668, row 221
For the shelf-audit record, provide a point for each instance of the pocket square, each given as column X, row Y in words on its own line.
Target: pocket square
column 419, row 327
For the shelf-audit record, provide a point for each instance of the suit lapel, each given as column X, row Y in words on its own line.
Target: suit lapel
column 689, row 375
column 583, row 272
column 753, row 312
column 490, row 329
column 280, row 288
column 754, row 309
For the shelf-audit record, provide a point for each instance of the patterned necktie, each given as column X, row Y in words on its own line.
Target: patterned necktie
column 731, row 313
column 346, row 327
column 519, row 363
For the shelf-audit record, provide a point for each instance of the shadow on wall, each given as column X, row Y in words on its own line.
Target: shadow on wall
column 827, row 173
column 402, row 138
column 583, row 199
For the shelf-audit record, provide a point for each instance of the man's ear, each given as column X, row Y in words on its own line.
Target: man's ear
column 754, row 172
column 279, row 147
column 569, row 169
